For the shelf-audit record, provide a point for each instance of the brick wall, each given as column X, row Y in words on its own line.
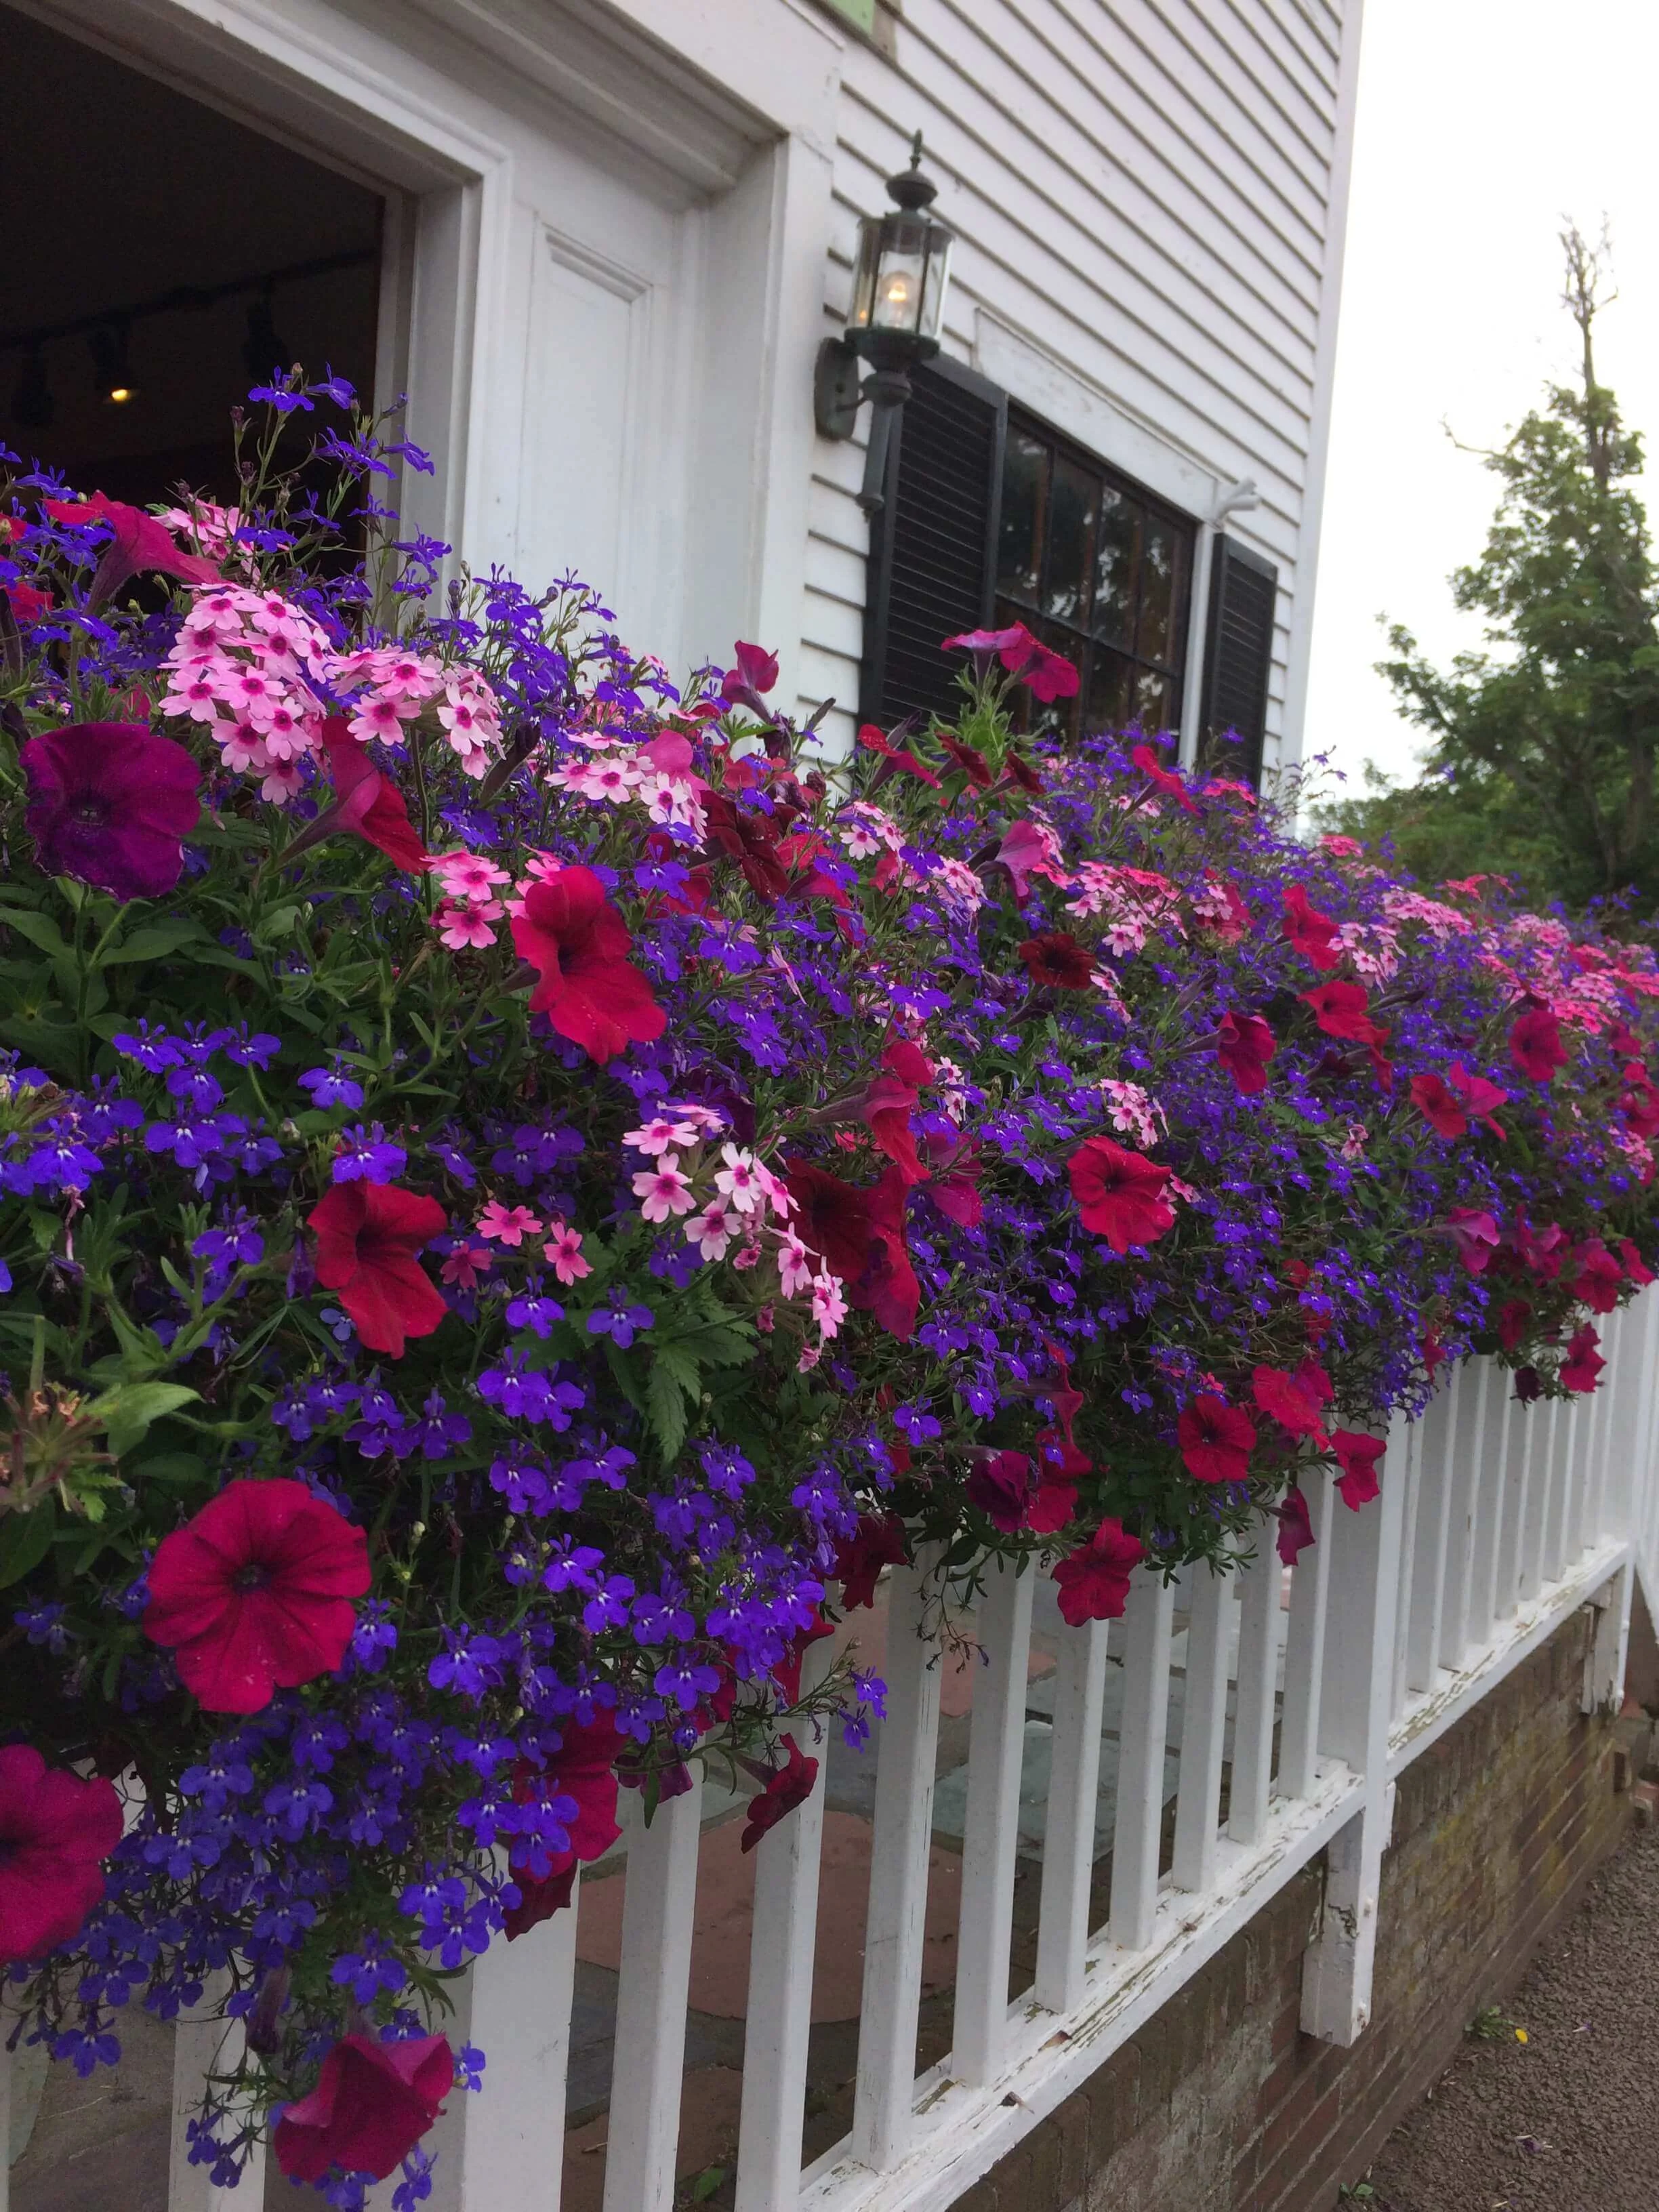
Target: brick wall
column 1222, row 2104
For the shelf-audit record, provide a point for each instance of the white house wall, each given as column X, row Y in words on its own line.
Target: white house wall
column 1149, row 196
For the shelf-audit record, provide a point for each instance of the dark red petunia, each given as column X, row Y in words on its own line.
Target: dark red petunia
column 1166, row 780
column 138, row 543
column 56, row 1830
column 895, row 759
column 373, row 2103
column 969, row 758
column 1001, row 1486
column 1360, row 1456
column 859, row 1236
column 1244, row 1045
column 255, row 1594
column 1216, row 1439
column 1056, row 962
column 1529, row 1385
column 1639, row 1104
column 583, row 1769
column 367, row 1235
column 1118, row 1193
column 1513, row 1317
column 1093, row 1581
column 1435, row 1103
column 747, row 838
column 787, row 1673
column 1295, row 1527
column 1480, row 1098
column 1535, row 1044
column 1584, row 1363
column 756, row 673
column 876, row 1542
column 1339, row 1009
column 587, row 986
column 1284, row 1398
column 1598, row 1279
column 790, row 1786
column 1311, row 933
column 1476, row 1235
column 111, row 805
column 954, row 1163
column 366, row 802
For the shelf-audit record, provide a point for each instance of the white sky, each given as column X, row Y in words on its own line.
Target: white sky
column 1481, row 124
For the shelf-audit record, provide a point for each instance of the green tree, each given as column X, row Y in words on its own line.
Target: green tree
column 1541, row 761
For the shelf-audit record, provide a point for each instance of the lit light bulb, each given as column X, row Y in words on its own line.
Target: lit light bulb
column 898, row 291
column 119, row 394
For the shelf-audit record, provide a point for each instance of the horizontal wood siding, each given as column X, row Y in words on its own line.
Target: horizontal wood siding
column 1140, row 190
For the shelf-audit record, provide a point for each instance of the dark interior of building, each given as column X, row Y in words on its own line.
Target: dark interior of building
column 161, row 258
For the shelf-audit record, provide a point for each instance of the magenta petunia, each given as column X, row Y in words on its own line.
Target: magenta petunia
column 110, row 805
column 54, row 1832
column 373, row 2103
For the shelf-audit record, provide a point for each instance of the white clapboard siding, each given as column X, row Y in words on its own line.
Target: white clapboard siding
column 1147, row 193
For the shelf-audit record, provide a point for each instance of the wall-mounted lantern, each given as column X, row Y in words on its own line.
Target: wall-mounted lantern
column 899, row 285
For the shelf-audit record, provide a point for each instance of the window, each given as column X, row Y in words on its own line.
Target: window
column 1101, row 573
column 991, row 516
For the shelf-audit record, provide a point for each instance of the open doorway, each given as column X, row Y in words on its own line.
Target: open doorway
column 161, row 258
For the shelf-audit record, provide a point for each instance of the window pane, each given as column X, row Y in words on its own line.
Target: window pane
column 1062, row 714
column 1161, row 551
column 1154, row 708
column 1019, row 550
column 1071, row 542
column 1114, row 567
column 1108, row 691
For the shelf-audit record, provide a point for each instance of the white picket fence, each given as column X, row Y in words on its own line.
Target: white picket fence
column 1495, row 1522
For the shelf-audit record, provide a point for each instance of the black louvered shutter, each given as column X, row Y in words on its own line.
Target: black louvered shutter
column 1238, row 653
column 933, row 544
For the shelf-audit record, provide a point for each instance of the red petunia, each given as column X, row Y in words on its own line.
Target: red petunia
column 756, row 673
column 1001, row 1486
column 1048, row 676
column 876, row 1542
column 1093, row 1581
column 1311, row 1377
column 1535, row 1044
column 583, row 1769
column 1244, row 1045
column 1639, row 1104
column 859, row 1236
column 1599, row 1278
column 1478, row 1096
column 1476, row 1235
column 373, row 2103
column 1436, row 1103
column 367, row 1235
column 587, row 987
column 1311, row 933
column 1118, row 1193
column 1025, row 852
column 1170, row 784
column 366, row 802
column 138, row 543
column 1052, row 1504
column 1216, row 1439
column 255, row 1594
column 891, row 1099
column 1339, row 1009
column 1584, row 1363
column 790, row 1786
column 1513, row 1316
column 1286, row 1399
column 895, row 759
column 56, row 1830
column 1634, row 1266
column 1056, row 962
column 1295, row 1527
column 1360, row 1456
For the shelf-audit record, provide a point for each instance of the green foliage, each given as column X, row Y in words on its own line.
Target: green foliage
column 1540, row 764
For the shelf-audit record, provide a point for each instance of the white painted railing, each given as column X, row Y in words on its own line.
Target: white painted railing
column 1226, row 1731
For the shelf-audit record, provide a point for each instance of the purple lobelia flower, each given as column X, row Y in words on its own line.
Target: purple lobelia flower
column 109, row 805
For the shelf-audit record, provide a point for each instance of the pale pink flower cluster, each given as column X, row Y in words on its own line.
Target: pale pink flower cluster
column 1355, row 1140
column 463, row 915
column 259, row 673
column 1134, row 902
column 1130, row 1109
column 1375, row 951
column 959, row 886
column 728, row 1202
column 213, row 529
column 617, row 778
column 865, row 830
column 1213, row 909
column 1442, row 921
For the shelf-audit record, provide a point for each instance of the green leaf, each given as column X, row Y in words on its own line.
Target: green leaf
column 153, row 942
column 664, row 1406
column 169, row 1466
column 40, row 928
column 25, row 1539
column 127, row 1411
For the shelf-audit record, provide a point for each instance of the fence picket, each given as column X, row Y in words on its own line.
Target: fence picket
column 779, row 2021
column 1425, row 1619
column 1535, row 1521
column 885, row 2098
column 991, row 1838
column 1413, row 1472
column 1517, row 1487
column 1203, row 1729
column 1068, row 1850
column 1463, row 1478
column 658, row 1904
column 1492, row 1499
column 1304, row 1646
column 204, row 2043
column 1148, row 1618
column 1260, row 1582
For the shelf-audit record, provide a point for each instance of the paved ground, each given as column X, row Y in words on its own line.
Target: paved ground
column 1568, row 2120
